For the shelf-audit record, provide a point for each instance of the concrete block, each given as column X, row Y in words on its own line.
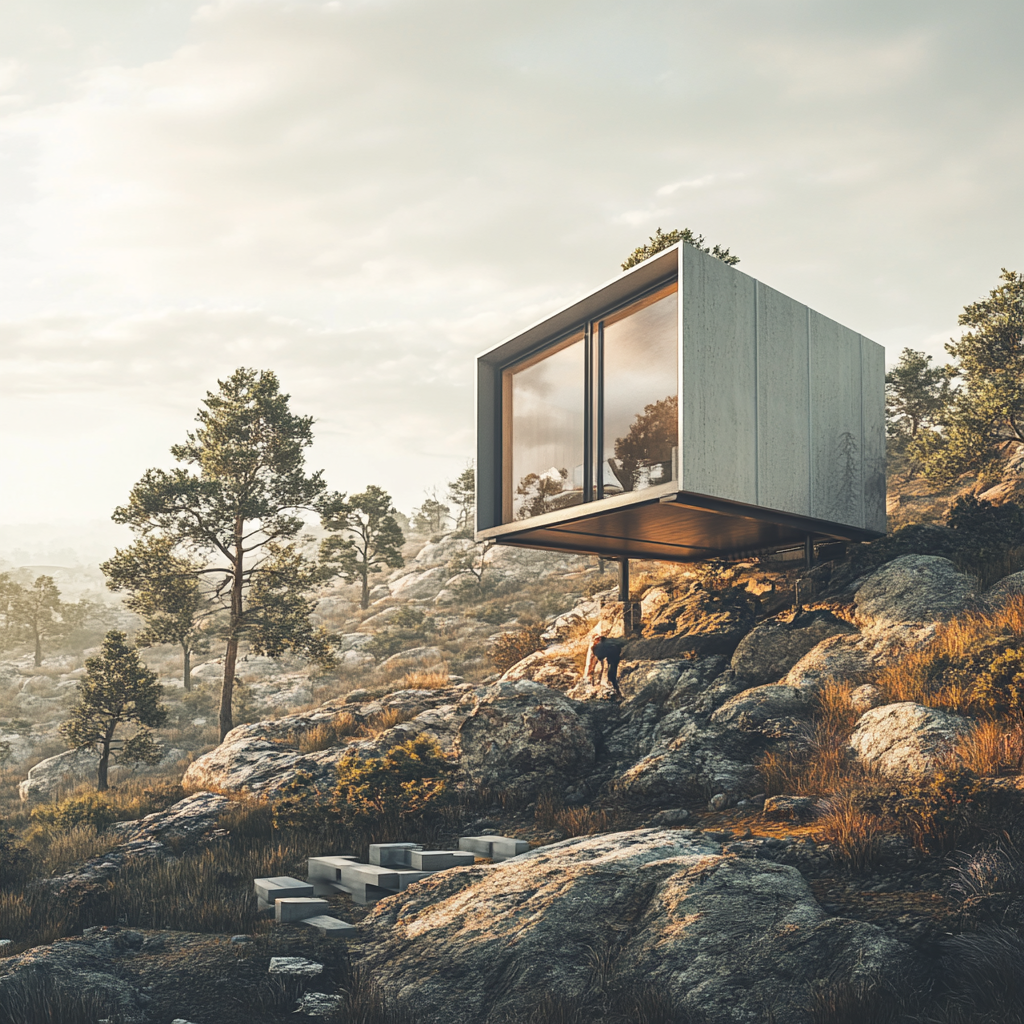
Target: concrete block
column 298, row 908
column 495, row 847
column 438, row 860
column 392, row 855
column 264, row 906
column 505, row 849
column 331, row 927
column 272, row 889
column 295, row 966
column 327, row 869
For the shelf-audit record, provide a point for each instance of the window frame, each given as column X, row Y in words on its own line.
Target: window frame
column 591, row 332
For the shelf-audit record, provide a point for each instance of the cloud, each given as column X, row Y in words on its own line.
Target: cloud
column 363, row 195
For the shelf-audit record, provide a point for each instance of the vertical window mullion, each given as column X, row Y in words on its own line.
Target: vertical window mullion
column 599, row 412
column 588, row 415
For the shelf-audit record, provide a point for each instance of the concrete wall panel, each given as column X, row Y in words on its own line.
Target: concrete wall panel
column 873, row 404
column 719, row 412
column 836, row 437
column 782, row 405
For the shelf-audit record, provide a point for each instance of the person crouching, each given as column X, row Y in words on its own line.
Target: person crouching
column 606, row 651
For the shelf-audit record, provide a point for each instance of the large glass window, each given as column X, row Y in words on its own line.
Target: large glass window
column 594, row 415
column 543, row 403
column 638, row 413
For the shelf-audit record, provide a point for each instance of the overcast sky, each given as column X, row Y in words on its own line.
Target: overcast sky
column 362, row 195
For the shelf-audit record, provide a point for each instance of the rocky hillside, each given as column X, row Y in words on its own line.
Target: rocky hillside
column 805, row 807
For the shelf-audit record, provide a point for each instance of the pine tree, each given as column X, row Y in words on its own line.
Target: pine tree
column 117, row 689
column 237, row 518
column 367, row 536
column 986, row 418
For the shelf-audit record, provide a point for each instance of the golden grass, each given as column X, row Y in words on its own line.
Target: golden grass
column 992, row 748
column 912, row 676
column 61, row 850
column 853, row 832
column 325, row 735
column 436, row 680
column 388, row 719
column 819, row 765
column 581, row 821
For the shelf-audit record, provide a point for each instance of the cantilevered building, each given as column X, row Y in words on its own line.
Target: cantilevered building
column 682, row 411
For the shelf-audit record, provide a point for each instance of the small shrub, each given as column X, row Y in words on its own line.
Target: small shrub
column 14, row 858
column 998, row 689
column 86, row 809
column 991, row 537
column 510, row 648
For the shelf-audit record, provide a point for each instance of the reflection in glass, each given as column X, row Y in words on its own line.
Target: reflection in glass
column 640, row 394
column 543, row 408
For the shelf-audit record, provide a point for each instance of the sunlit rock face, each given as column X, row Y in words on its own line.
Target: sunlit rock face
column 771, row 649
column 905, row 741
column 914, row 588
column 720, row 934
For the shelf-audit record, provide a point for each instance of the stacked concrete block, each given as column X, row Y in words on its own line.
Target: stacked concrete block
column 324, row 873
column 392, row 855
column 410, row 855
column 331, row 927
column 439, row 860
column 495, row 847
column 297, row 908
column 393, row 868
column 270, row 890
column 294, row 902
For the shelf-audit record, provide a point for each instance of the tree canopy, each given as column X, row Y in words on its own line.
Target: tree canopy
column 165, row 589
column 117, row 689
column 462, row 495
column 235, row 517
column 367, row 536
column 432, row 516
column 985, row 419
column 661, row 240
column 36, row 615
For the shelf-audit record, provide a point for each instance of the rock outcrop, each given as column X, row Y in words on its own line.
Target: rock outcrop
column 264, row 756
column 904, row 741
column 771, row 649
column 523, row 736
column 913, row 588
column 720, row 935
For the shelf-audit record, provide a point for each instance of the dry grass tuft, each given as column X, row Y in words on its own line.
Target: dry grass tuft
column 330, row 734
column 818, row 764
column 436, row 680
column 388, row 719
column 854, row 833
column 917, row 675
column 581, row 821
column 992, row 748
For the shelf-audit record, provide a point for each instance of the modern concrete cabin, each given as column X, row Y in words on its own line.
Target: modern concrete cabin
column 682, row 411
